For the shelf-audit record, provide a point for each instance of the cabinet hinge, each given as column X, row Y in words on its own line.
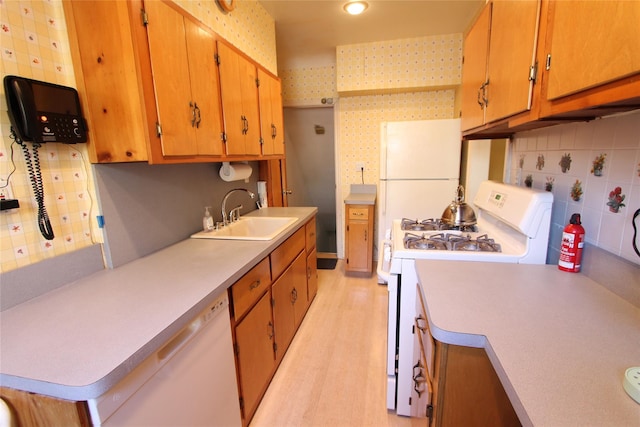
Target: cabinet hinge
column 159, row 129
column 533, row 72
column 241, row 400
column 236, row 349
column 145, row 17
column 275, row 347
column 273, row 302
column 257, row 82
column 216, row 58
column 548, row 65
column 261, row 141
column 429, row 411
column 223, row 137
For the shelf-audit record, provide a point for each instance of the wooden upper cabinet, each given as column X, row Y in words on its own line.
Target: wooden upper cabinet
column 185, row 81
column 238, row 77
column 593, row 43
column 512, row 54
column 474, row 74
column 271, row 120
column 499, row 53
column 107, row 80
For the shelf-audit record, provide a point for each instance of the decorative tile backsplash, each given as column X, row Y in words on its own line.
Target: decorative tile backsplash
column 593, row 169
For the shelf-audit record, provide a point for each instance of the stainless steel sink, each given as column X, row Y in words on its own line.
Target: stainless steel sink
column 249, row 228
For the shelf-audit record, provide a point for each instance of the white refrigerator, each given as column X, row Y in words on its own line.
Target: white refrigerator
column 419, row 170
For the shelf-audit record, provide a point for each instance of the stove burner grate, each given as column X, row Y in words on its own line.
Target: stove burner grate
column 450, row 242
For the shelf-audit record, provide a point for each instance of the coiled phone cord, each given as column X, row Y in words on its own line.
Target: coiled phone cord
column 635, row 232
column 33, row 166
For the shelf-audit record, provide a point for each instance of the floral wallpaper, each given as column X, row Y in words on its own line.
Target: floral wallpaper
column 34, row 44
column 592, row 169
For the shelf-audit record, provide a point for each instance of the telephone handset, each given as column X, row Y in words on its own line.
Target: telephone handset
column 44, row 112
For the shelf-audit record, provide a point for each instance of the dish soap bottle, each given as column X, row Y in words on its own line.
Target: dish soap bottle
column 207, row 221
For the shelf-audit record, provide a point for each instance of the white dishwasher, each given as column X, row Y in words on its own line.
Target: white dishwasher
column 191, row 381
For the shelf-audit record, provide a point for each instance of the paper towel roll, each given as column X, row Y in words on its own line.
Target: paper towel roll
column 235, row 172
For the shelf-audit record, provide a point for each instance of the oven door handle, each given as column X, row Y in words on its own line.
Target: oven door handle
column 384, row 261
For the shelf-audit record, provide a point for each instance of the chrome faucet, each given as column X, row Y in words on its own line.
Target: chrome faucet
column 226, row 220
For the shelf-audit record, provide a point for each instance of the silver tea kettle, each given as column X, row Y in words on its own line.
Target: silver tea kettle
column 458, row 213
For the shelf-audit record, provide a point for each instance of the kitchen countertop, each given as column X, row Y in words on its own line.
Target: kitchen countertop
column 559, row 342
column 361, row 194
column 78, row 341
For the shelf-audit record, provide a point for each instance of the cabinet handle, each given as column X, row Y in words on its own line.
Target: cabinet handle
column 484, row 93
column 418, row 378
column 480, row 97
column 199, row 117
column 254, row 285
column 270, row 330
column 193, row 113
column 244, row 124
column 365, row 235
column 424, row 328
column 273, row 131
column 294, row 296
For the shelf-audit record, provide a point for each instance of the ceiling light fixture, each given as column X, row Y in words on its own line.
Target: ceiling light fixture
column 356, row 7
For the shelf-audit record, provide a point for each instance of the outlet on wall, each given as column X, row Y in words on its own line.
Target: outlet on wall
column 359, row 166
column 5, row 189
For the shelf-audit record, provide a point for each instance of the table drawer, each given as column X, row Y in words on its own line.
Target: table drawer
column 246, row 291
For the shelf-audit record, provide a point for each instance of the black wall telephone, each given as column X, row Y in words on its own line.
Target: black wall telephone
column 44, row 112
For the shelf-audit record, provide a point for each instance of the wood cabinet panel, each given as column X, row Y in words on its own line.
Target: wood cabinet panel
column 246, row 291
column 312, row 275
column 35, row 410
column 512, row 52
column 290, row 303
column 239, row 90
column 271, row 115
column 608, row 51
column 359, row 238
column 310, row 238
column 255, row 354
column 287, row 252
column 107, row 80
column 474, row 72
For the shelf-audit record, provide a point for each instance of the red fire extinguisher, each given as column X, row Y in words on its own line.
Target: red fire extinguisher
column 571, row 246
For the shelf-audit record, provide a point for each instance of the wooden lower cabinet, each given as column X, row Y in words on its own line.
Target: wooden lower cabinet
column 35, row 410
column 467, row 390
column 359, row 238
column 254, row 338
column 289, row 303
column 268, row 305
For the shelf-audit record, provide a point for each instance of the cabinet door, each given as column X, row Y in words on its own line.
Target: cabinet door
column 172, row 84
column 593, row 43
column 512, row 49
column 312, row 275
column 290, row 303
column 234, row 122
column 357, row 237
column 251, row 111
column 205, row 89
column 474, row 73
column 284, row 317
column 255, row 354
column 238, row 79
column 271, row 122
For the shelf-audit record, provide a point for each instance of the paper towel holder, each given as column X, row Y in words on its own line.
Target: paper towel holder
column 227, row 171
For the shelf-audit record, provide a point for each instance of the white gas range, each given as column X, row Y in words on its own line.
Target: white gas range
column 512, row 227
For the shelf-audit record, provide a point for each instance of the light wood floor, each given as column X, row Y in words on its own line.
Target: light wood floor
column 334, row 371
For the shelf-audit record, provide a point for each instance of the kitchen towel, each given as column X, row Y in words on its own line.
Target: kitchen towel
column 235, row 171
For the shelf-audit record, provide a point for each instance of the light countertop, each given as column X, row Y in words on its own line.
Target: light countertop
column 361, row 194
column 559, row 342
column 78, row 341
